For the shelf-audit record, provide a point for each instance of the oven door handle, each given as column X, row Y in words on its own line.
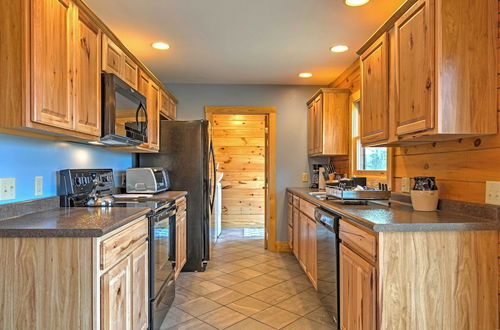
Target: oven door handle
column 165, row 215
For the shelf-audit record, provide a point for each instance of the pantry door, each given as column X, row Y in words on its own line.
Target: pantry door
column 244, row 143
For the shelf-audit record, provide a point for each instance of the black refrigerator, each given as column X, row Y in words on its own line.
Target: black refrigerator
column 186, row 152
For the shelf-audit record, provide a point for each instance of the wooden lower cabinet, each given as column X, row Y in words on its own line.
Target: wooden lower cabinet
column 302, row 233
column 180, row 242
column 140, row 287
column 116, row 297
column 357, row 292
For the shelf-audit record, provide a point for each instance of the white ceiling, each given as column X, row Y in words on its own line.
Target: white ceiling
column 243, row 41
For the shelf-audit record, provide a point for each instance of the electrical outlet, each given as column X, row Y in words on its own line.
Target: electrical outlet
column 405, row 185
column 493, row 192
column 38, row 185
column 305, row 177
column 7, row 189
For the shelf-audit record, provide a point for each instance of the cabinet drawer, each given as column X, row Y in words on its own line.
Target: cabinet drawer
column 307, row 208
column 358, row 239
column 124, row 242
column 181, row 204
column 296, row 201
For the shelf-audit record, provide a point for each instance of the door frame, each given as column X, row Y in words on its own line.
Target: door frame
column 270, row 241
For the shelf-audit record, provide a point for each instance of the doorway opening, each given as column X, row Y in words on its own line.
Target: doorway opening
column 244, row 140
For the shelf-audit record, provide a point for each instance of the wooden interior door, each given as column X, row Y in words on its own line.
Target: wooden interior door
column 88, row 77
column 375, row 92
column 415, row 69
column 239, row 144
column 357, row 292
column 140, row 287
column 52, row 62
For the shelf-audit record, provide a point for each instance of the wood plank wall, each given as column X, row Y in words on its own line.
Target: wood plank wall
column 239, row 142
column 461, row 167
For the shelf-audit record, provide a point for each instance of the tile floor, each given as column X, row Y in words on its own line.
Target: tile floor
column 246, row 287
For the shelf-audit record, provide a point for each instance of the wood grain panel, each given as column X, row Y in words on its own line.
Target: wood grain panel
column 438, row 280
column 46, row 283
column 239, row 142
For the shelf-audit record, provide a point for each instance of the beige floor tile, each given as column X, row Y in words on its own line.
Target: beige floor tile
column 204, row 287
column 283, row 274
column 264, row 268
column 266, row 280
column 247, row 287
column 227, row 280
column 224, row 296
column 247, row 262
column 183, row 295
column 193, row 324
column 306, row 324
column 271, row 296
column 246, row 273
column 275, row 317
column 320, row 315
column 248, row 306
column 298, row 305
column 222, row 317
column 249, row 324
column 291, row 287
column 175, row 316
column 229, row 268
column 199, row 306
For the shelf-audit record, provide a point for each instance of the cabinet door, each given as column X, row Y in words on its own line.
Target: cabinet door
column 303, row 247
column 183, row 241
column 88, row 76
column 112, row 57
column 296, row 233
column 173, row 109
column 143, row 84
column 318, row 125
column 290, row 214
column 311, row 265
column 310, row 129
column 140, row 287
column 130, row 71
column 414, row 69
column 357, row 292
column 375, row 92
column 116, row 297
column 178, row 245
column 52, row 62
column 153, row 116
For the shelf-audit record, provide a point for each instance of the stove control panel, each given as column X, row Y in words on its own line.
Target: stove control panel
column 81, row 181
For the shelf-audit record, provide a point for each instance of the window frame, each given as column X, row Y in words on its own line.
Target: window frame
column 356, row 141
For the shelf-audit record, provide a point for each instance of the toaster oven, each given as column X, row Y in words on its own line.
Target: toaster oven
column 147, row 180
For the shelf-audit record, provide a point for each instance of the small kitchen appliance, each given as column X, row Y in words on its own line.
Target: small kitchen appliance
column 147, row 180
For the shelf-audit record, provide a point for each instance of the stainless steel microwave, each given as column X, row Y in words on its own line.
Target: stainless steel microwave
column 124, row 114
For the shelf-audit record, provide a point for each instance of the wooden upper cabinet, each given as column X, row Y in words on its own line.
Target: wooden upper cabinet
column 154, row 116
column 415, row 69
column 375, row 92
column 441, row 79
column 114, row 60
column 88, row 76
column 357, row 292
column 328, row 122
column 53, row 64
column 167, row 106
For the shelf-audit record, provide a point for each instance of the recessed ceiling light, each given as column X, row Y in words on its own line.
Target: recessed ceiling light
column 160, row 45
column 339, row 49
column 305, row 75
column 356, row 3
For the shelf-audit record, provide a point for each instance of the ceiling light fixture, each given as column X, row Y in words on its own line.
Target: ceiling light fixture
column 356, row 3
column 160, row 45
column 305, row 75
column 339, row 49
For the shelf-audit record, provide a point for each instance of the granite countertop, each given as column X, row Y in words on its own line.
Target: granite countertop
column 399, row 217
column 70, row 222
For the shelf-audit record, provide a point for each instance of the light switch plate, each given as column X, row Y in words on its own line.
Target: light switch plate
column 405, row 185
column 305, row 177
column 38, row 185
column 7, row 189
column 492, row 192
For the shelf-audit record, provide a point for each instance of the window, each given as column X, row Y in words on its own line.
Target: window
column 365, row 158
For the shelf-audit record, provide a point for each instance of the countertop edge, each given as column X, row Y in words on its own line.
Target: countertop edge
column 399, row 227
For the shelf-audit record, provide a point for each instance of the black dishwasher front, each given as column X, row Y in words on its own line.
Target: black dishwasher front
column 328, row 262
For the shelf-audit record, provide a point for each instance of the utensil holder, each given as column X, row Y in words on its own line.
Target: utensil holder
column 424, row 200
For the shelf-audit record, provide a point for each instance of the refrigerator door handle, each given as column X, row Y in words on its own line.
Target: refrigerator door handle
column 214, row 181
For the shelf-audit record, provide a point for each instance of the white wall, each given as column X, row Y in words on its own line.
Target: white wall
column 291, row 137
